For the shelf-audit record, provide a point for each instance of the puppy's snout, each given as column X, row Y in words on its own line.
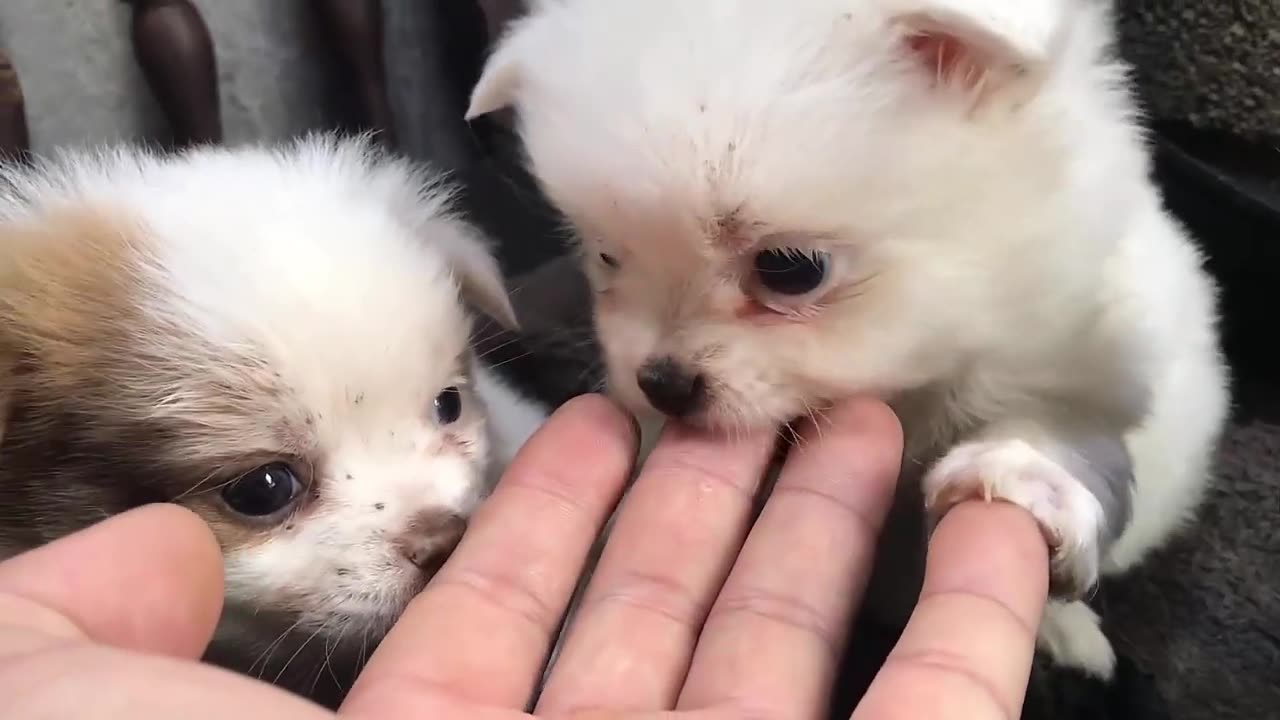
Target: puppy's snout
column 430, row 537
column 673, row 389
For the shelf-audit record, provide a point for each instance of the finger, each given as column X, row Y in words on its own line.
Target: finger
column 93, row 682
column 483, row 627
column 774, row 637
column 967, row 650
column 673, row 542
column 147, row 580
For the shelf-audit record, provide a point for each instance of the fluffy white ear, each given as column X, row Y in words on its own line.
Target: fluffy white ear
column 478, row 274
column 981, row 45
column 500, row 80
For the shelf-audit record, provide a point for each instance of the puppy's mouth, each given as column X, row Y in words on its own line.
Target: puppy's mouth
column 682, row 393
column 371, row 612
column 369, row 620
column 718, row 412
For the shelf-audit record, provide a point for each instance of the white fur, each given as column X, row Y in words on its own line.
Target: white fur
column 1073, row 631
column 999, row 253
column 1016, row 472
column 341, row 268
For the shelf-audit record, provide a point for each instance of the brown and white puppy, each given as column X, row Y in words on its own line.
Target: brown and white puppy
column 273, row 338
column 943, row 202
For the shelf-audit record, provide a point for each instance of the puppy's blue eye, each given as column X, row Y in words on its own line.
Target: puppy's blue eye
column 264, row 490
column 448, row 406
column 787, row 271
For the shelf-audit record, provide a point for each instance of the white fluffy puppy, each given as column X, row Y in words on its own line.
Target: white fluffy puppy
column 945, row 202
column 274, row 338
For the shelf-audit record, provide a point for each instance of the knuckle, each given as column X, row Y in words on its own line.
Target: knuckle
column 510, row 594
column 995, row 611
column 686, row 466
column 553, row 486
column 866, row 524
column 780, row 609
column 653, row 594
column 954, row 675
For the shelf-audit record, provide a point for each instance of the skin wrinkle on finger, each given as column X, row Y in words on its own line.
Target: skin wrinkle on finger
column 938, row 691
column 29, row 626
column 943, row 604
column 554, row 485
column 785, row 606
column 1014, row 561
column 968, row 634
column 672, row 544
column 986, row 585
column 758, row 604
column 775, row 635
column 868, row 524
column 507, row 597
column 681, row 465
column 513, row 594
column 492, row 609
column 653, row 594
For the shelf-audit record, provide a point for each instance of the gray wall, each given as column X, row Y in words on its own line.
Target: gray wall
column 82, row 84
column 1210, row 63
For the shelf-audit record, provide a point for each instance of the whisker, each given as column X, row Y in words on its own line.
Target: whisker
column 297, row 652
column 813, row 418
column 265, row 657
column 364, row 651
column 481, row 340
column 200, row 483
column 509, row 360
column 492, row 350
column 328, row 655
column 324, row 662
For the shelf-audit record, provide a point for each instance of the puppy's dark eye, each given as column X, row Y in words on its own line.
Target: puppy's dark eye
column 787, row 271
column 265, row 490
column 448, row 405
column 609, row 260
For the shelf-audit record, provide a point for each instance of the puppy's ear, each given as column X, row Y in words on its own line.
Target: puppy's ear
column 478, row 274
column 500, row 80
column 981, row 46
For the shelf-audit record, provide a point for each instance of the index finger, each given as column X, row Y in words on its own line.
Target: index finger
column 482, row 629
column 967, row 650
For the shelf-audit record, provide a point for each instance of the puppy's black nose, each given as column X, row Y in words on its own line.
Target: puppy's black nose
column 671, row 388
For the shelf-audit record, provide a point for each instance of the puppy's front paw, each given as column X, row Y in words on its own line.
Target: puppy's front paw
column 1014, row 471
column 1071, row 634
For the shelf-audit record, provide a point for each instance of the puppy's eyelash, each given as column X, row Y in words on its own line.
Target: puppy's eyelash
column 610, row 261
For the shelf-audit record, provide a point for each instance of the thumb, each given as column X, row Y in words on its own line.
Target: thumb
column 148, row 580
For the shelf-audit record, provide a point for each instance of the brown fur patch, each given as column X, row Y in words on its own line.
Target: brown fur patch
column 109, row 405
column 64, row 293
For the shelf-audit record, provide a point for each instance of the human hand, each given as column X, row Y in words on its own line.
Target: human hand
column 680, row 614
